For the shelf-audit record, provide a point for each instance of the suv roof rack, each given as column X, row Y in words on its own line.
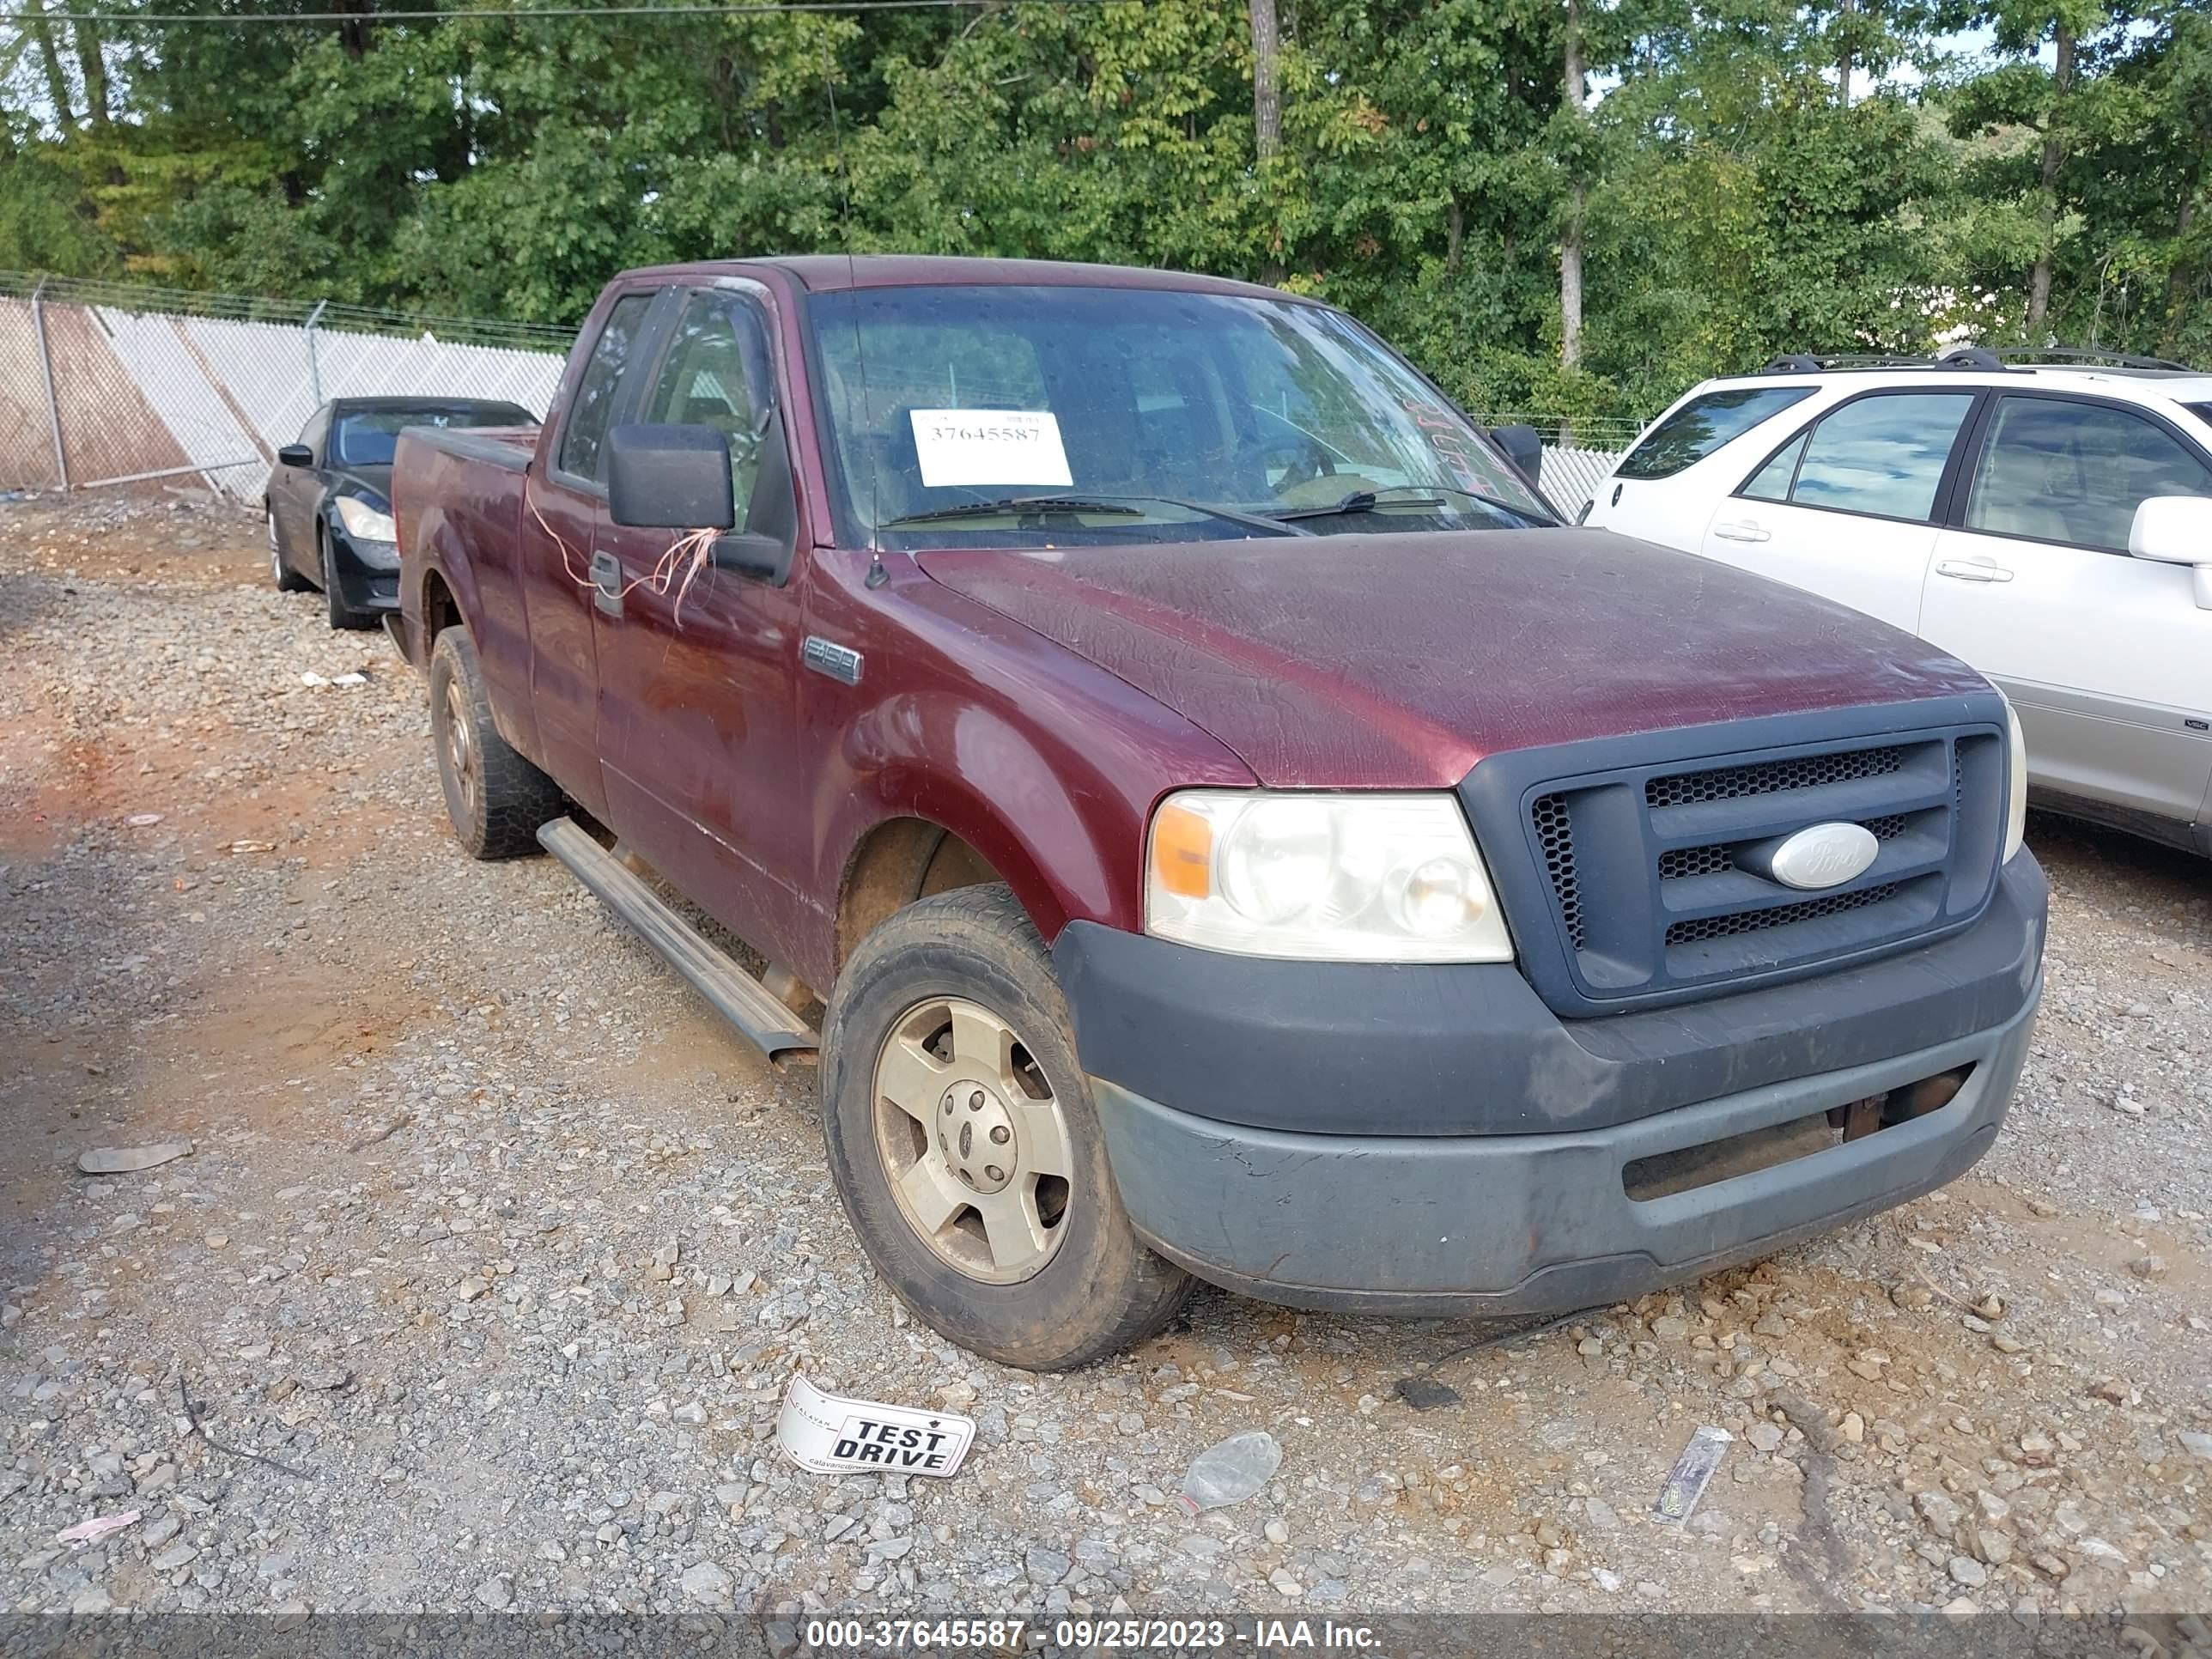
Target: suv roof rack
column 1973, row 356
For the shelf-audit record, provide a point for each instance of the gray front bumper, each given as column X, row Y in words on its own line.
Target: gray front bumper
column 1482, row 1224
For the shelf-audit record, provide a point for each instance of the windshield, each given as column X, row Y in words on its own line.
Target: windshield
column 366, row 437
column 956, row 411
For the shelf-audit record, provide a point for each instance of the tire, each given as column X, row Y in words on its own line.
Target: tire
column 287, row 579
column 1061, row 1279
column 495, row 797
column 343, row 616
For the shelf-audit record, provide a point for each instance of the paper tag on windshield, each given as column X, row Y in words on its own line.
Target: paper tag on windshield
column 989, row 447
column 832, row 1435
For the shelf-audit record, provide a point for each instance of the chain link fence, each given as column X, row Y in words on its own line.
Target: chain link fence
column 102, row 384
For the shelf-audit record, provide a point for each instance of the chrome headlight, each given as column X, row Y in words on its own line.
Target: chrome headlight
column 365, row 522
column 2016, row 783
column 1321, row 877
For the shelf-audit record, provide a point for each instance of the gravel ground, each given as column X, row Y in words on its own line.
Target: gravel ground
column 494, row 1253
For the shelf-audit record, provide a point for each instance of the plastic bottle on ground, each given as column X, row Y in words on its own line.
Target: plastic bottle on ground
column 1231, row 1471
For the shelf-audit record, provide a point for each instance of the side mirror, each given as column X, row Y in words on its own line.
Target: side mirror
column 1524, row 447
column 2176, row 530
column 669, row 478
column 296, row 455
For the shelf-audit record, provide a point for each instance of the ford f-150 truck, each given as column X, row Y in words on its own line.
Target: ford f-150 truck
column 1234, row 829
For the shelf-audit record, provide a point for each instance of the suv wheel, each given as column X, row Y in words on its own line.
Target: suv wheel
column 962, row 1140
column 495, row 797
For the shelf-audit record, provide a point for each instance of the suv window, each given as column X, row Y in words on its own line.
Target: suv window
column 1882, row 455
column 2061, row 471
column 716, row 373
column 594, row 402
column 1703, row 425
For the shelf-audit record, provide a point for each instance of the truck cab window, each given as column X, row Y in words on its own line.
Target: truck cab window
column 716, row 373
column 590, row 410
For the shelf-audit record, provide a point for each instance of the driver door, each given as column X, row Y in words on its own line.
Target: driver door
column 697, row 667
column 294, row 491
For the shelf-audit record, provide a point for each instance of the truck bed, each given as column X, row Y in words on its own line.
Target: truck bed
column 461, row 492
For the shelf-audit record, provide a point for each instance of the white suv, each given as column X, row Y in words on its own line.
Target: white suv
column 2039, row 520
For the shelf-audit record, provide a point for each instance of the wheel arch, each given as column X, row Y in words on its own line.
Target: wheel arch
column 911, row 855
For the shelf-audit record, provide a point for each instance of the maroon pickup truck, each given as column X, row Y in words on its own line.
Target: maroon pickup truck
column 1236, row 830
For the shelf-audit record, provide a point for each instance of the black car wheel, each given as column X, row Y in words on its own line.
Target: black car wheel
column 343, row 615
column 288, row 581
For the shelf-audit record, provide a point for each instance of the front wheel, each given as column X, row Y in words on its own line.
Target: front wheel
column 962, row 1140
column 343, row 614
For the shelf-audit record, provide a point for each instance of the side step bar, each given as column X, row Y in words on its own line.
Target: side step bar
column 739, row 998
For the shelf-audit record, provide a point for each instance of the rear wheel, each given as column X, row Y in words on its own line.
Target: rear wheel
column 495, row 797
column 287, row 579
column 962, row 1140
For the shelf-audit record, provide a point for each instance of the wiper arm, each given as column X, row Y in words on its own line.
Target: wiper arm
column 1015, row 507
column 1360, row 500
column 1119, row 507
column 1367, row 500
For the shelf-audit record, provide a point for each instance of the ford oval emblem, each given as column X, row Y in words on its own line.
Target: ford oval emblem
column 1824, row 855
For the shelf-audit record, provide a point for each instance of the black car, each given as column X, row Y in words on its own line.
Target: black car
column 329, row 501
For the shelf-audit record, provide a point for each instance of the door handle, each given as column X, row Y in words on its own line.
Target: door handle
column 1745, row 532
column 1976, row 569
column 607, row 583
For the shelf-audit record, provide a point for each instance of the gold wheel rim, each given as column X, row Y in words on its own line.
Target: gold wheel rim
column 460, row 748
column 972, row 1141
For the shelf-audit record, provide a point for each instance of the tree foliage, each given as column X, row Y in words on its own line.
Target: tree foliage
column 1733, row 189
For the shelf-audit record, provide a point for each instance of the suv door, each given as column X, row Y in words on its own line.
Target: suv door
column 1846, row 508
column 2107, row 657
column 698, row 709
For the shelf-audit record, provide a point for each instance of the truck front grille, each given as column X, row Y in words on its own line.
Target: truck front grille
column 1646, row 896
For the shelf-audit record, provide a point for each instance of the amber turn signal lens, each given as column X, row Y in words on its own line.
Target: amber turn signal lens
column 1183, row 853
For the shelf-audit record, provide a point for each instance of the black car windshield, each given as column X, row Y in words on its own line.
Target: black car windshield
column 1187, row 415
column 366, row 437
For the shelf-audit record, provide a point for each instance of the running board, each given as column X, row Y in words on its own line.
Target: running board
column 760, row 1017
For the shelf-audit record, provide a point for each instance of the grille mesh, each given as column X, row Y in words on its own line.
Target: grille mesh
column 1768, row 777
column 1548, row 815
column 1695, row 862
column 1749, row 922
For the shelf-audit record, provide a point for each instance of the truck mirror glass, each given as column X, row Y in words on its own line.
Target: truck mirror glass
column 669, row 478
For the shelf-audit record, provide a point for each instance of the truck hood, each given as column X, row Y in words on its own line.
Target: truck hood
column 1398, row 661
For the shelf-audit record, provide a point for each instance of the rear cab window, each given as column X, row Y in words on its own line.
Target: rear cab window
column 1703, row 425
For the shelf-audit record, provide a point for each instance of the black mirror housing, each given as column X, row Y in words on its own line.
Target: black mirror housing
column 1524, row 447
column 669, row 478
column 296, row 455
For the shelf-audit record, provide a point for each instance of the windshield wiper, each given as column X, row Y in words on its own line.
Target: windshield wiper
column 1016, row 507
column 1361, row 500
column 1062, row 506
column 1368, row 500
